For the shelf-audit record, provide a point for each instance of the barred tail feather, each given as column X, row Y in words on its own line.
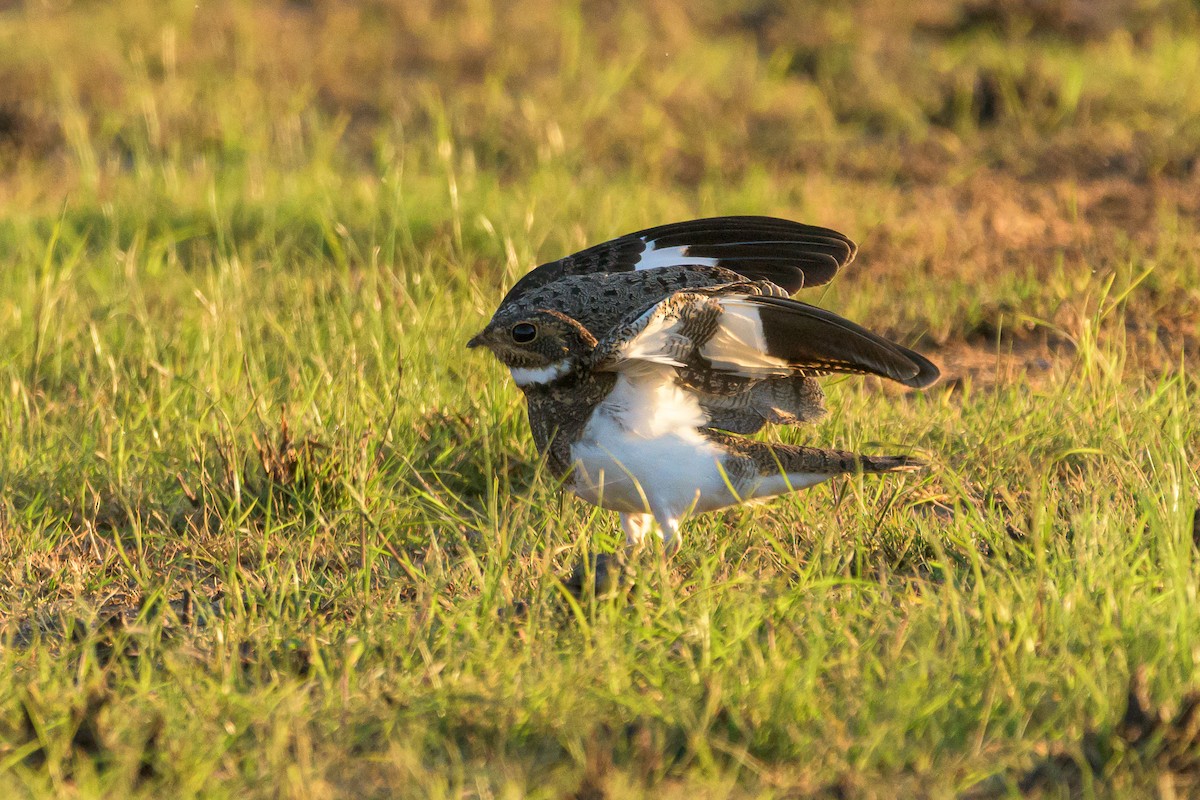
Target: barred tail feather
column 877, row 465
column 787, row 458
column 801, row 467
column 767, row 469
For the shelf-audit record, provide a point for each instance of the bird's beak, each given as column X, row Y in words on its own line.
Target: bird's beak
column 476, row 340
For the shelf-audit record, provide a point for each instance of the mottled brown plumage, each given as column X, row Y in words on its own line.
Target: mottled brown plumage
column 640, row 358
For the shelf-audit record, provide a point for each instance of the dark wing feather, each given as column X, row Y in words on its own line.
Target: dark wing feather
column 757, row 337
column 817, row 340
column 789, row 254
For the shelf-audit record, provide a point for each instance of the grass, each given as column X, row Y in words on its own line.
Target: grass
column 268, row 529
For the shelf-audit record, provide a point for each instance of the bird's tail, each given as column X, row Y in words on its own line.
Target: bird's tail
column 819, row 461
column 771, row 469
column 881, row 464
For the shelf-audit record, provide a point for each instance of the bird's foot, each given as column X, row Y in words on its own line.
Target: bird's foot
column 600, row 575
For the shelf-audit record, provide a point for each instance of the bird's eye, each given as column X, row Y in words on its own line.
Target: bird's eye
column 524, row 332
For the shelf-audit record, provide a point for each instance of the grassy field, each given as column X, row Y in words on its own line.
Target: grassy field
column 267, row 529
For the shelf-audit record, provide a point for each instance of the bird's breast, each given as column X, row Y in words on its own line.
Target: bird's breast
column 641, row 447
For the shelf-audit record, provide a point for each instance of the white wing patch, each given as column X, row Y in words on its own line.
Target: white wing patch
column 528, row 376
column 654, row 257
column 739, row 344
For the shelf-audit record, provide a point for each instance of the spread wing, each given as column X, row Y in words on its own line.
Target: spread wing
column 755, row 337
column 789, row 254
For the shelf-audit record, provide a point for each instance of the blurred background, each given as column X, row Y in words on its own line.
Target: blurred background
column 243, row 245
column 1010, row 150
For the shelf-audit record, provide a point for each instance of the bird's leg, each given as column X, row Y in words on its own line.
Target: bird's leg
column 636, row 526
column 606, row 571
column 668, row 526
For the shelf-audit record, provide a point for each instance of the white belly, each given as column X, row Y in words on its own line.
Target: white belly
column 641, row 450
column 621, row 472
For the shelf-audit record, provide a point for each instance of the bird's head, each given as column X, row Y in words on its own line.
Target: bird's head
column 538, row 347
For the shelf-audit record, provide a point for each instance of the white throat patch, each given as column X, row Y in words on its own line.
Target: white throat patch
column 529, row 376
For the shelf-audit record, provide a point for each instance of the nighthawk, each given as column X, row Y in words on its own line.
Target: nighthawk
column 644, row 361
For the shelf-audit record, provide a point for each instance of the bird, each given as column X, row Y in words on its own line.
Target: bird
column 646, row 361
